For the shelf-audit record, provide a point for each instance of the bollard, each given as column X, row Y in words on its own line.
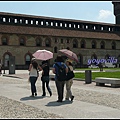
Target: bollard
column 88, row 76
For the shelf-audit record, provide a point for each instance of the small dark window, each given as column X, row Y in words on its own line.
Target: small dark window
column 38, row 42
column 4, row 41
column 47, row 43
column 61, row 40
column 22, row 42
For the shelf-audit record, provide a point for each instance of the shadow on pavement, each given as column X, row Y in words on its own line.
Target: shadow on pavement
column 55, row 103
column 31, row 98
column 12, row 76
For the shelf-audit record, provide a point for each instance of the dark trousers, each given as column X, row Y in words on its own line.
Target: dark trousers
column 60, row 89
column 33, row 87
column 47, row 86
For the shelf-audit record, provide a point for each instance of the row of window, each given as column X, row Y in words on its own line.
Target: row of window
column 56, row 23
column 29, row 56
column 48, row 43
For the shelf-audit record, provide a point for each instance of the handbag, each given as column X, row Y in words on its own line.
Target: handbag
column 70, row 75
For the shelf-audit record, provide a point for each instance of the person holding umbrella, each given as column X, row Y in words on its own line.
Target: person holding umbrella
column 69, row 82
column 45, row 77
column 34, row 69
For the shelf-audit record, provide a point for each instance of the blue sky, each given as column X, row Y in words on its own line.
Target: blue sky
column 96, row 11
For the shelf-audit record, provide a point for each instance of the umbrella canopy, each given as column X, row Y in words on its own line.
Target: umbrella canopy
column 43, row 55
column 69, row 54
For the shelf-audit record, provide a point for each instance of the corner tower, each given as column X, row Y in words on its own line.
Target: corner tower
column 116, row 8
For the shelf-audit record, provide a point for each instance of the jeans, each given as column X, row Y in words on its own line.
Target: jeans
column 60, row 89
column 33, row 87
column 45, row 81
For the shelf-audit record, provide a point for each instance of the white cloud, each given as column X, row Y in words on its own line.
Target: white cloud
column 104, row 14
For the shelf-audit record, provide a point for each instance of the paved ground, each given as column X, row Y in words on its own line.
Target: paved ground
column 90, row 101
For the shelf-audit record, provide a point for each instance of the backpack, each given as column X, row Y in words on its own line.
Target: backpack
column 61, row 75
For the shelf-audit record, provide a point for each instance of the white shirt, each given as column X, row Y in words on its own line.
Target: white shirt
column 33, row 72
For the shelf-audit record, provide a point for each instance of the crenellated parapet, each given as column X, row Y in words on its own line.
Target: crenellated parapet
column 48, row 22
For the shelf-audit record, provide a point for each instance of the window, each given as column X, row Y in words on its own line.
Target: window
column 47, row 43
column 113, row 45
column 61, row 40
column 38, row 42
column 75, row 44
column 27, row 59
column 6, row 60
column 22, row 42
column 93, row 44
column 56, row 40
column 68, row 41
column 102, row 45
column 82, row 44
column 4, row 41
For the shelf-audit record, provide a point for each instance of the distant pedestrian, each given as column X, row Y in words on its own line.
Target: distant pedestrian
column 59, row 84
column 45, row 77
column 69, row 82
column 34, row 69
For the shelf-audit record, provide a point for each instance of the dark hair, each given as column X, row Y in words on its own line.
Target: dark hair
column 59, row 58
column 35, row 64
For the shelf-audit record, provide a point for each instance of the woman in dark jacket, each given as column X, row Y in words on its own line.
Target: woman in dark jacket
column 45, row 77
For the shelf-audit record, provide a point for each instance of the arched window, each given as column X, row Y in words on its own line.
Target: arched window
column 102, row 45
column 113, row 45
column 61, row 40
column 75, row 44
column 6, row 60
column 38, row 42
column 22, row 41
column 47, row 43
column 67, row 41
column 27, row 59
column 4, row 41
column 55, row 49
column 82, row 44
column 56, row 40
column 93, row 44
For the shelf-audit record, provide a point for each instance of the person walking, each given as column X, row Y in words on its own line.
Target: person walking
column 34, row 69
column 69, row 82
column 59, row 84
column 45, row 77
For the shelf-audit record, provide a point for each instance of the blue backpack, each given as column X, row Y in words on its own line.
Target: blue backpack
column 61, row 75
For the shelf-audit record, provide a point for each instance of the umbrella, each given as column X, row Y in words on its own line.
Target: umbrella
column 69, row 54
column 43, row 55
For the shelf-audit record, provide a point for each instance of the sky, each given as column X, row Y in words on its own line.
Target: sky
column 95, row 11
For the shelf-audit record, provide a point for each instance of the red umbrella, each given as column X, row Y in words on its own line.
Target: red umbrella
column 43, row 55
column 69, row 54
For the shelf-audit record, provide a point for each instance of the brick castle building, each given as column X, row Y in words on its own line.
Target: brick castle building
column 21, row 35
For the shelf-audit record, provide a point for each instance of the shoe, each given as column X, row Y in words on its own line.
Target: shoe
column 50, row 93
column 32, row 96
column 72, row 98
column 35, row 94
column 59, row 100
column 43, row 95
